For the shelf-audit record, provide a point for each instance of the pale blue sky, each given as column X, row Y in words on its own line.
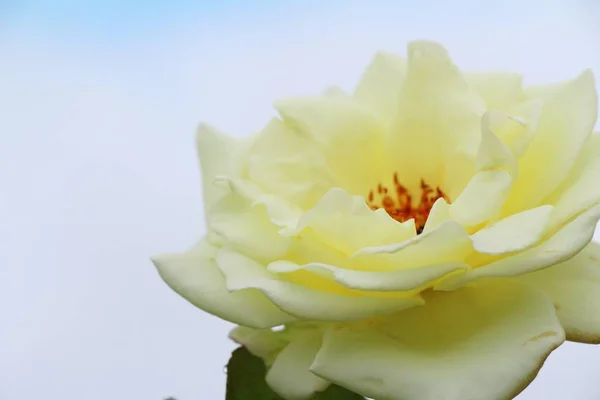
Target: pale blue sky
column 98, row 106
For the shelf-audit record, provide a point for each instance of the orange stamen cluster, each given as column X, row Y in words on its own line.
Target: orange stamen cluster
column 399, row 205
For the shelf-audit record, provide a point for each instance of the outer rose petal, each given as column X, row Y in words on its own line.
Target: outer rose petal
column 579, row 190
column 565, row 243
column 243, row 273
column 245, row 225
column 484, row 342
column 263, row 343
column 566, row 122
column 219, row 155
column 589, row 153
column 582, row 194
column 195, row 277
column 290, row 375
column 267, row 343
column 574, row 287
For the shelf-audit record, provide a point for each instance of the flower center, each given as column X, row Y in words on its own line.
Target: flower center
column 399, row 203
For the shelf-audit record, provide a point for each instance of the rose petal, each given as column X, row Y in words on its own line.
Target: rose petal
column 496, row 168
column 566, row 122
column 574, row 287
column 522, row 126
column 380, row 85
column 517, row 232
column 243, row 273
column 290, row 376
column 397, row 280
column 581, row 195
column 482, row 199
column 493, row 154
column 219, row 155
column 351, row 137
column 424, row 143
column 242, row 220
column 563, row 245
column 346, row 223
column 263, row 343
column 440, row 212
column 448, row 242
column 288, row 164
column 485, row 342
column 195, row 277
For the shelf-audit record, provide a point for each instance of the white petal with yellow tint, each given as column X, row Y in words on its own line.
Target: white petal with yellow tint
column 483, row 198
column 219, row 155
column 504, row 137
column 263, row 343
column 496, row 166
column 289, row 376
column 243, row 273
column 522, row 125
column 438, row 112
column 589, row 153
column 580, row 186
column 440, row 212
column 267, row 343
column 458, row 170
column 493, row 154
column 587, row 158
column 563, row 245
column 380, row 85
column 281, row 212
column 566, row 122
column 448, row 242
column 574, row 287
column 499, row 90
column 397, row 280
column 247, row 227
column 346, row 223
column 288, row 164
column 195, row 277
column 514, row 233
column 583, row 194
column 484, row 342
column 351, row 137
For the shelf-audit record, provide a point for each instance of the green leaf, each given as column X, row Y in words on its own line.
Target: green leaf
column 246, row 381
column 246, row 378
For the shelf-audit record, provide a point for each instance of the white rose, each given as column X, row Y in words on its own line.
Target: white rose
column 426, row 237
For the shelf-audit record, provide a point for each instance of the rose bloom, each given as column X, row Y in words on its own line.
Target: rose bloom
column 424, row 237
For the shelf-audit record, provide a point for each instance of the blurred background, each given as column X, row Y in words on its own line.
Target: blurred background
column 99, row 101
